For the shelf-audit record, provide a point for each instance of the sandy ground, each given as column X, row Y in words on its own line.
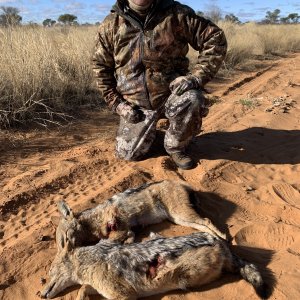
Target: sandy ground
column 248, row 177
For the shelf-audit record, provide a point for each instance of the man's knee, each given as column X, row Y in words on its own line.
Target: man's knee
column 134, row 140
column 188, row 102
column 130, row 151
column 126, row 155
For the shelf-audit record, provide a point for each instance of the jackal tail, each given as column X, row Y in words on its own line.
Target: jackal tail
column 251, row 274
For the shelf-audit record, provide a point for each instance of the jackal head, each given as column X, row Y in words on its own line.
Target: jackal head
column 62, row 273
column 69, row 229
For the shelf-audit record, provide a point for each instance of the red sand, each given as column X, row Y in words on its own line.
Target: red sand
column 248, row 174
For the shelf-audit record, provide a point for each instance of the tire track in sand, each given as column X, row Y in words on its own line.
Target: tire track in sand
column 90, row 183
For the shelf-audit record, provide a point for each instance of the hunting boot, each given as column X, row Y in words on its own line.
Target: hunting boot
column 182, row 160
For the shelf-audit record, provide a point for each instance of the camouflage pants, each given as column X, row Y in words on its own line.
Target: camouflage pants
column 184, row 114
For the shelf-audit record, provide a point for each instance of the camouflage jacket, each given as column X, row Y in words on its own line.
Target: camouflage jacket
column 136, row 61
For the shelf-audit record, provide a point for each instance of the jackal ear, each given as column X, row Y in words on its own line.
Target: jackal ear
column 63, row 243
column 64, row 209
column 60, row 240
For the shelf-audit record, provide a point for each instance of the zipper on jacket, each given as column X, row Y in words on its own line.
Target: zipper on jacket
column 142, row 34
column 132, row 18
column 141, row 26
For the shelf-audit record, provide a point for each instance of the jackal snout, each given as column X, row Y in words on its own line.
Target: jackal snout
column 61, row 272
column 69, row 229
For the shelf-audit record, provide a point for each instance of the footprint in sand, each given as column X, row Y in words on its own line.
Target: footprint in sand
column 287, row 193
column 274, row 236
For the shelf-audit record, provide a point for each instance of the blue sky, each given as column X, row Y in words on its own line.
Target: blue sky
column 92, row 11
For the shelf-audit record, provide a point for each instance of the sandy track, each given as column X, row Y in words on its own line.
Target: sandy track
column 248, row 177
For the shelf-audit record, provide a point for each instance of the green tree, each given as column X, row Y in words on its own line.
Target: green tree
column 86, row 24
column 285, row 20
column 232, row 18
column 48, row 22
column 272, row 17
column 67, row 19
column 294, row 17
column 10, row 16
column 200, row 13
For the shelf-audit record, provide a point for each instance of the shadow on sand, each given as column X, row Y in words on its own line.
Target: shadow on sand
column 256, row 145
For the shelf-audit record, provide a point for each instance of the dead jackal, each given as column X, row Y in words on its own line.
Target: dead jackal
column 148, row 204
column 129, row 271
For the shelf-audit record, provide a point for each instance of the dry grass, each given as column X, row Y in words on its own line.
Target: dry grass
column 248, row 40
column 46, row 72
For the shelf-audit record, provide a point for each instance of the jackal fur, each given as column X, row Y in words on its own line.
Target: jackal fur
column 130, row 271
column 148, row 204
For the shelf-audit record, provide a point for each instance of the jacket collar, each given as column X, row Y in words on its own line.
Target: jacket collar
column 121, row 8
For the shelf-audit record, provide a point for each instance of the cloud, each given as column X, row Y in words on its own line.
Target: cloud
column 8, row 1
column 102, row 8
column 263, row 9
column 247, row 15
column 75, row 6
column 52, row 12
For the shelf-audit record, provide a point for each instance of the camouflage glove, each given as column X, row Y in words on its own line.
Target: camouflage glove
column 183, row 84
column 131, row 115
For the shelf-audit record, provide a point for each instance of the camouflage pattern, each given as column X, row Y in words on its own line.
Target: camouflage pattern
column 135, row 139
column 184, row 114
column 136, row 61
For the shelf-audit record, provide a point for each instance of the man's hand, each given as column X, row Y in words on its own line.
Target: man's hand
column 130, row 114
column 183, row 84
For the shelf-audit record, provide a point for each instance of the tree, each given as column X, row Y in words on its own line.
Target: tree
column 272, row 17
column 32, row 24
column 67, row 19
column 294, row 17
column 285, row 20
column 214, row 13
column 48, row 22
column 86, row 24
column 232, row 18
column 10, row 16
column 200, row 13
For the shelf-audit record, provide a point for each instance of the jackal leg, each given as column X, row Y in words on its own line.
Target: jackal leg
column 84, row 291
column 201, row 224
